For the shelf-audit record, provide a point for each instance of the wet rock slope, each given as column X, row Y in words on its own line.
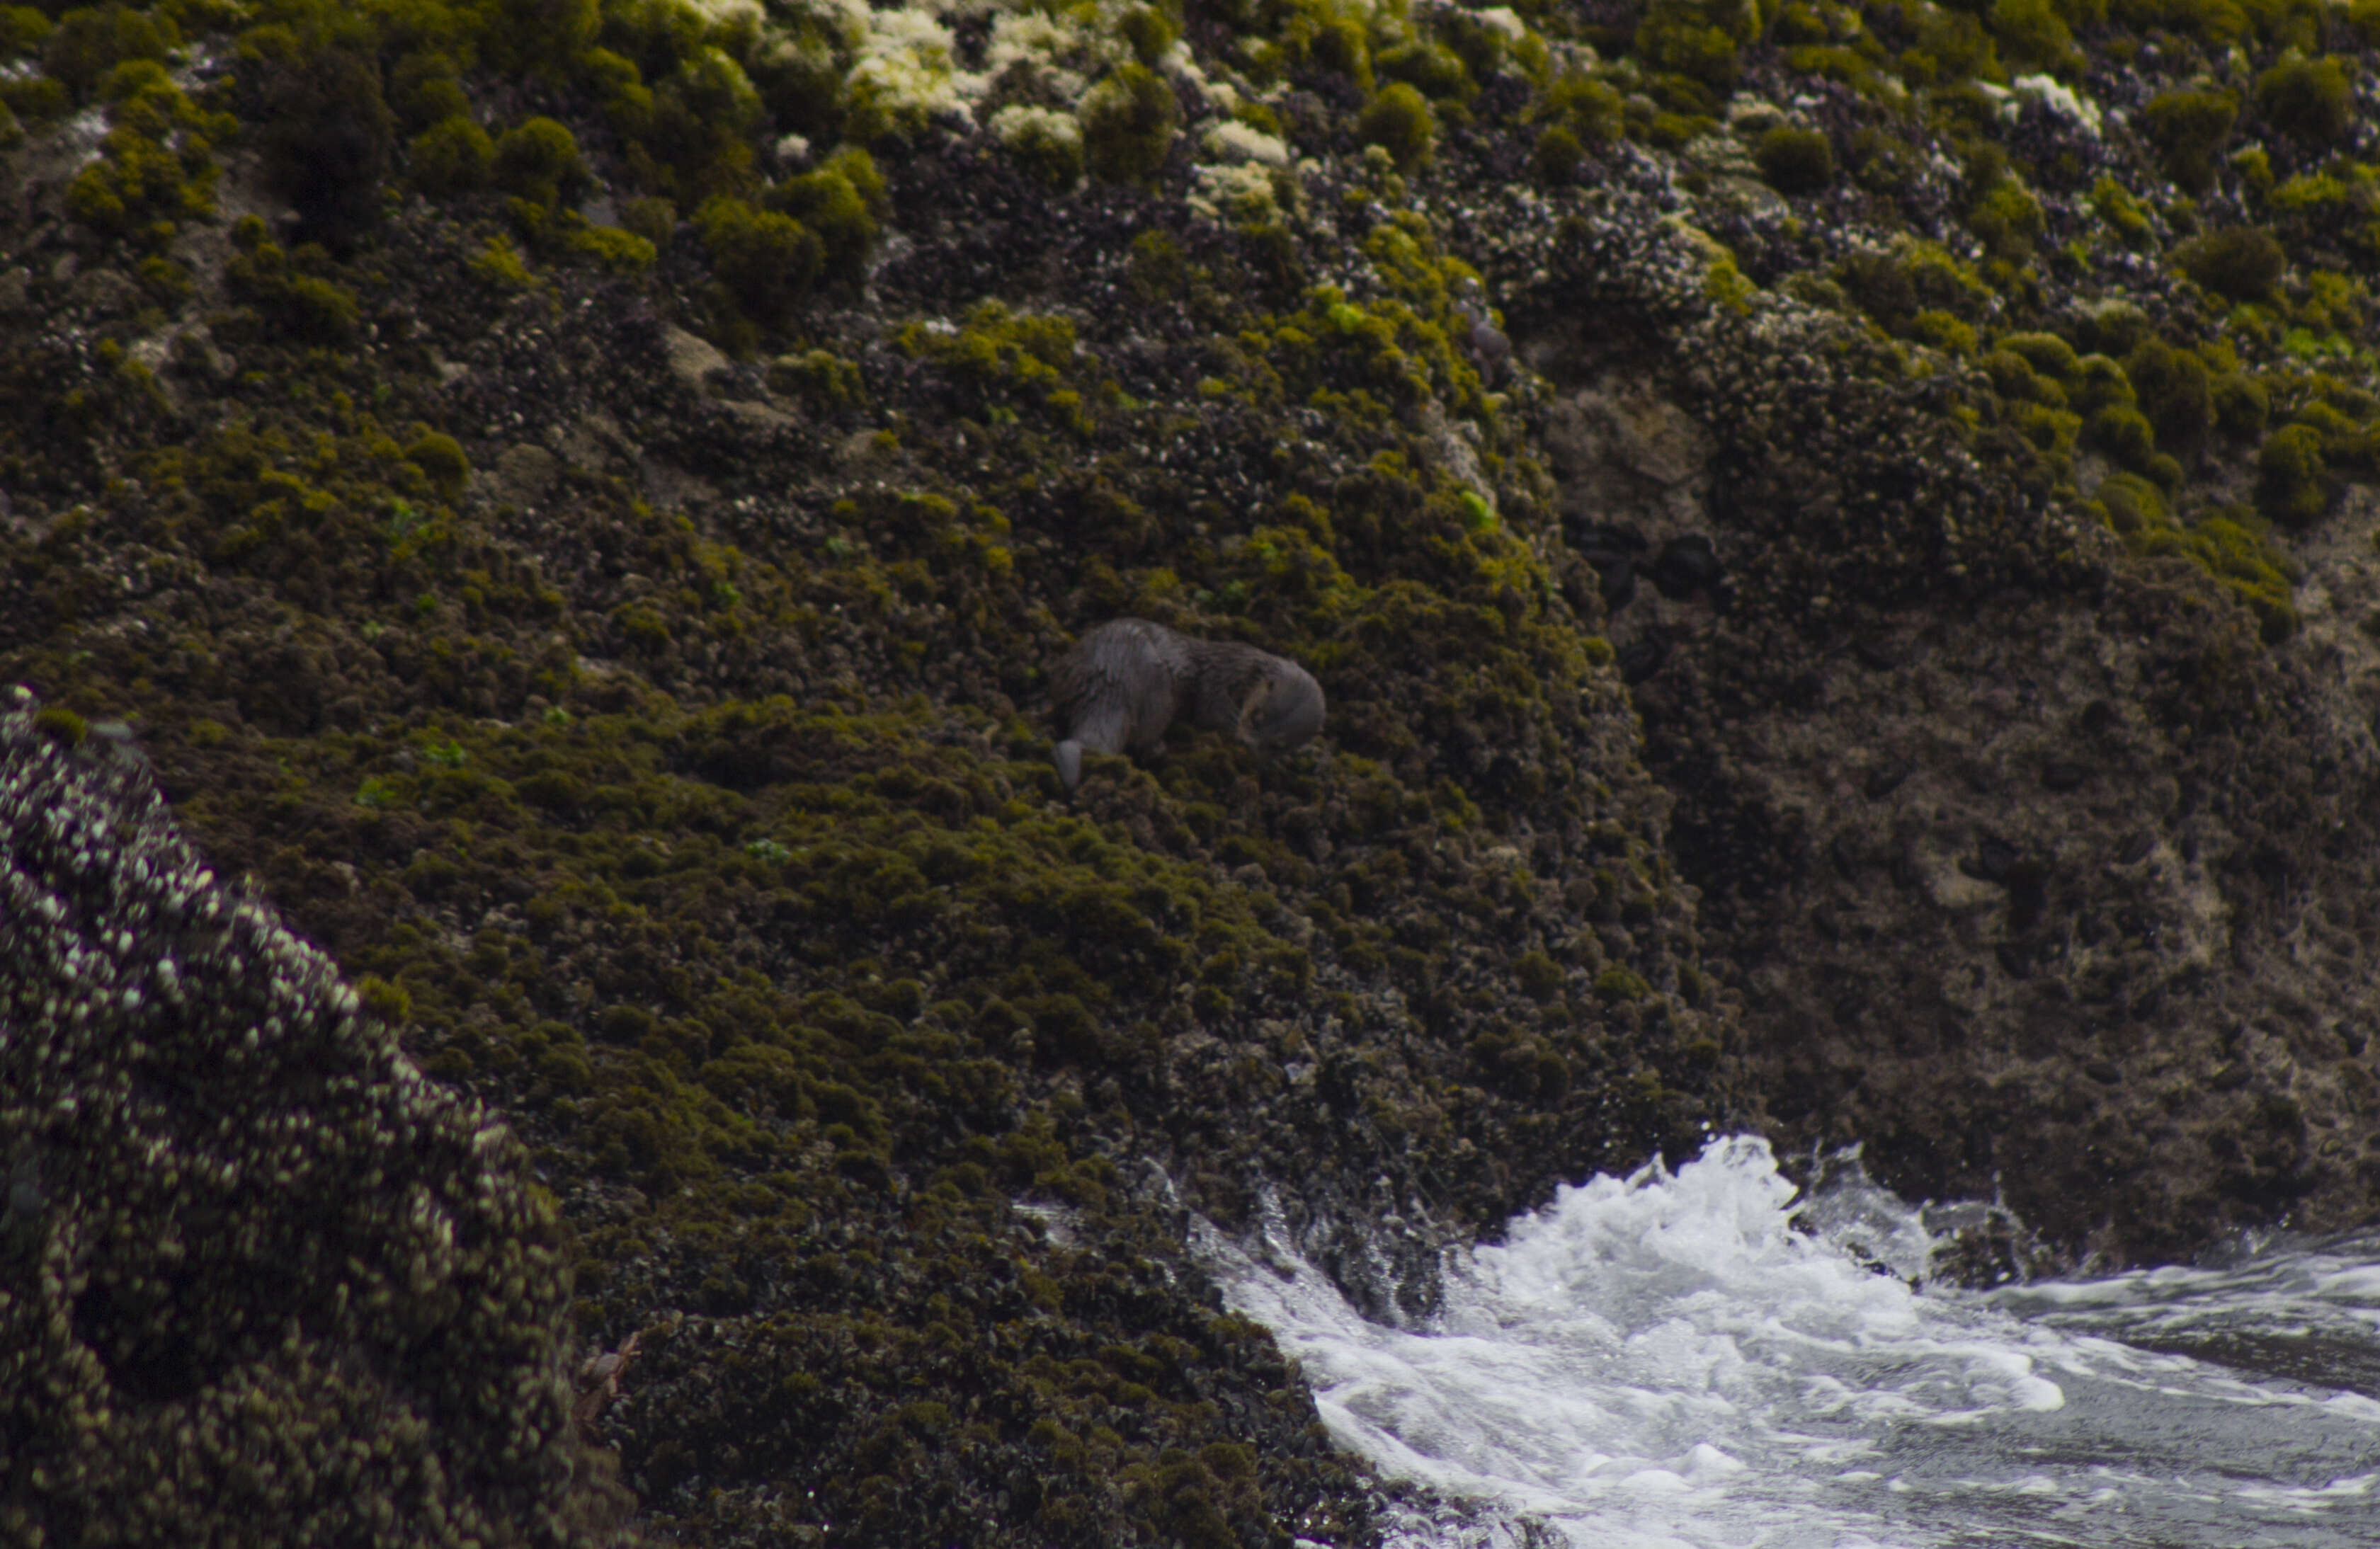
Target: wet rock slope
column 1833, row 536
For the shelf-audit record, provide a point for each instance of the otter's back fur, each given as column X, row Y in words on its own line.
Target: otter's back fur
column 1128, row 680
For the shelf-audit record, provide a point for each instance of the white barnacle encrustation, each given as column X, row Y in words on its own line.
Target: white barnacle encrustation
column 89, row 870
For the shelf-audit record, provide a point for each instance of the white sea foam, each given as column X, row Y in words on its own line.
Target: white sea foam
column 1678, row 1361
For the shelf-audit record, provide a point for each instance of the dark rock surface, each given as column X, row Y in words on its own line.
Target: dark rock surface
column 2049, row 879
column 240, row 1221
column 577, row 504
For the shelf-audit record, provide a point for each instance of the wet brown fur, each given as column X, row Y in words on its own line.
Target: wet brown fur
column 1125, row 683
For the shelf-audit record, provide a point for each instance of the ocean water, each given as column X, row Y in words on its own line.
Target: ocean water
column 1704, row 1359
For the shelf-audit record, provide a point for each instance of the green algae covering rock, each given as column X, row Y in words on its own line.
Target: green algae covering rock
column 261, row 1281
column 581, row 499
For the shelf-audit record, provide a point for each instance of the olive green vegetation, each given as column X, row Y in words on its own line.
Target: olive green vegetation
column 1399, row 121
column 1699, row 39
column 1577, row 112
column 1795, row 161
column 1053, row 152
column 1128, row 123
column 663, row 760
column 2312, row 100
column 766, row 261
column 833, row 984
column 453, row 156
column 2240, row 264
column 1684, row 61
column 2190, row 127
column 769, row 933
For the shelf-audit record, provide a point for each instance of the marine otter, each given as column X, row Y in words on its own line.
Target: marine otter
column 1125, row 682
column 1491, row 350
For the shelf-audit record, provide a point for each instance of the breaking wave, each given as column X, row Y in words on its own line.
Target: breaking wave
column 1702, row 1358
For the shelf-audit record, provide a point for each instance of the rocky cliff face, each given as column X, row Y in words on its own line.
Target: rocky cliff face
column 1839, row 582
column 2046, row 874
column 258, row 1268
column 2019, row 906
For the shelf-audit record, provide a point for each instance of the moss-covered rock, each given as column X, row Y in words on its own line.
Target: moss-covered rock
column 2190, row 127
column 2292, row 482
column 1696, row 39
column 766, row 260
column 323, row 122
column 453, row 156
column 1399, row 120
column 537, row 158
column 595, row 568
column 2309, row 100
column 954, row 996
column 1128, row 123
column 2241, row 263
column 1795, row 161
column 291, row 1288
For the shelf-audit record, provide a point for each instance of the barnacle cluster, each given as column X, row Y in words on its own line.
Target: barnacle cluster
column 240, row 1218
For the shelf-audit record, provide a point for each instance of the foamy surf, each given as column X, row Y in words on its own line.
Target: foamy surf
column 1668, row 1360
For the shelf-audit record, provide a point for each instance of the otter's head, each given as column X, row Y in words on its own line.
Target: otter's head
column 1284, row 711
